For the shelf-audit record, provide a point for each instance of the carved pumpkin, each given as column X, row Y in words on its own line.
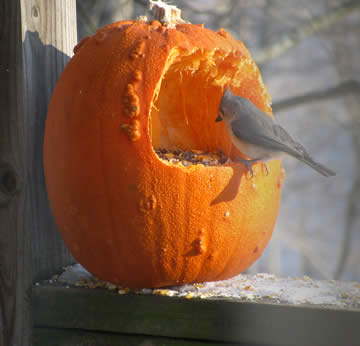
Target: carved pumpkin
column 126, row 215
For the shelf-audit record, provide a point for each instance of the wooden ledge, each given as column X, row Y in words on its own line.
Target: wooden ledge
column 331, row 317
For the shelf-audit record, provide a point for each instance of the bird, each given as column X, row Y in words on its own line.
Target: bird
column 258, row 136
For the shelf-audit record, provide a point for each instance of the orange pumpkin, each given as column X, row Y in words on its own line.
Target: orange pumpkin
column 126, row 215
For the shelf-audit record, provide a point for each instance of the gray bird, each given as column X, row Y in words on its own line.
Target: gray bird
column 257, row 136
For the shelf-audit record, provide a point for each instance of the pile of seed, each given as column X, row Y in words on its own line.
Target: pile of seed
column 192, row 157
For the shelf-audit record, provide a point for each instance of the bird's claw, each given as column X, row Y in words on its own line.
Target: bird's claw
column 267, row 169
column 248, row 164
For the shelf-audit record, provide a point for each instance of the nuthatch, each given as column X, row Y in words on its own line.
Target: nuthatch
column 257, row 136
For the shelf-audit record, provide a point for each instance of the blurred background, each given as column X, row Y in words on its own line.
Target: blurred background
column 309, row 56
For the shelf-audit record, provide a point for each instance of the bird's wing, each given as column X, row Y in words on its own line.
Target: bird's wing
column 262, row 131
column 256, row 127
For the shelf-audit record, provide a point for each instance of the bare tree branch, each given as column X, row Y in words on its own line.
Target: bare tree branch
column 343, row 65
column 342, row 89
column 298, row 243
column 144, row 3
column 313, row 26
column 350, row 220
column 91, row 27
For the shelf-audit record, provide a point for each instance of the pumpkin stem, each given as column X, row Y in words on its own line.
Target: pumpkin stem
column 167, row 15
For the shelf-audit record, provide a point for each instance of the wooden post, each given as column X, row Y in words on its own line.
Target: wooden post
column 37, row 37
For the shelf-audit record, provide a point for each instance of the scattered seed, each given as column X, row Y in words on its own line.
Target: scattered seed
column 192, row 157
column 123, row 291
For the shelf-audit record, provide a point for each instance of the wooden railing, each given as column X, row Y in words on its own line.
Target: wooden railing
column 36, row 41
column 246, row 310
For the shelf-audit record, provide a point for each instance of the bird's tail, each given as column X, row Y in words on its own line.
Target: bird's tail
column 317, row 166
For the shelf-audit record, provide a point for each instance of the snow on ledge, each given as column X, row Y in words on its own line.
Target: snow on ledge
column 257, row 288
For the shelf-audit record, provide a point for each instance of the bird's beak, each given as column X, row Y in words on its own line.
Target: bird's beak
column 219, row 118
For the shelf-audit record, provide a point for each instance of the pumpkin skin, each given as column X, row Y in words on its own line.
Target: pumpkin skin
column 127, row 216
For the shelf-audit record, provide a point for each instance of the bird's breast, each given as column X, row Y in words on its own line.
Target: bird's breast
column 253, row 151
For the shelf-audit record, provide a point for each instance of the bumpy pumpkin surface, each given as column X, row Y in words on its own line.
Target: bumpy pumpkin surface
column 127, row 216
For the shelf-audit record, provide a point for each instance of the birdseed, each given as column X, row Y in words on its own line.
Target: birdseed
column 192, row 157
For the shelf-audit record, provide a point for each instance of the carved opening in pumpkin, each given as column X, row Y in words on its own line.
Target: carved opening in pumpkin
column 187, row 98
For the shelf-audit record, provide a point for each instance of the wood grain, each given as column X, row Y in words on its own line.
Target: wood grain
column 14, row 242
column 49, row 35
column 214, row 320
column 61, row 337
column 36, row 37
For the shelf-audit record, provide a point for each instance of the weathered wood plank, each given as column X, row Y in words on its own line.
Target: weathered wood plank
column 49, row 35
column 61, row 337
column 32, row 54
column 217, row 320
column 14, row 242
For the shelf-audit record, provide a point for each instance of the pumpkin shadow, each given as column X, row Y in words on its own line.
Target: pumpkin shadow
column 43, row 65
column 231, row 189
